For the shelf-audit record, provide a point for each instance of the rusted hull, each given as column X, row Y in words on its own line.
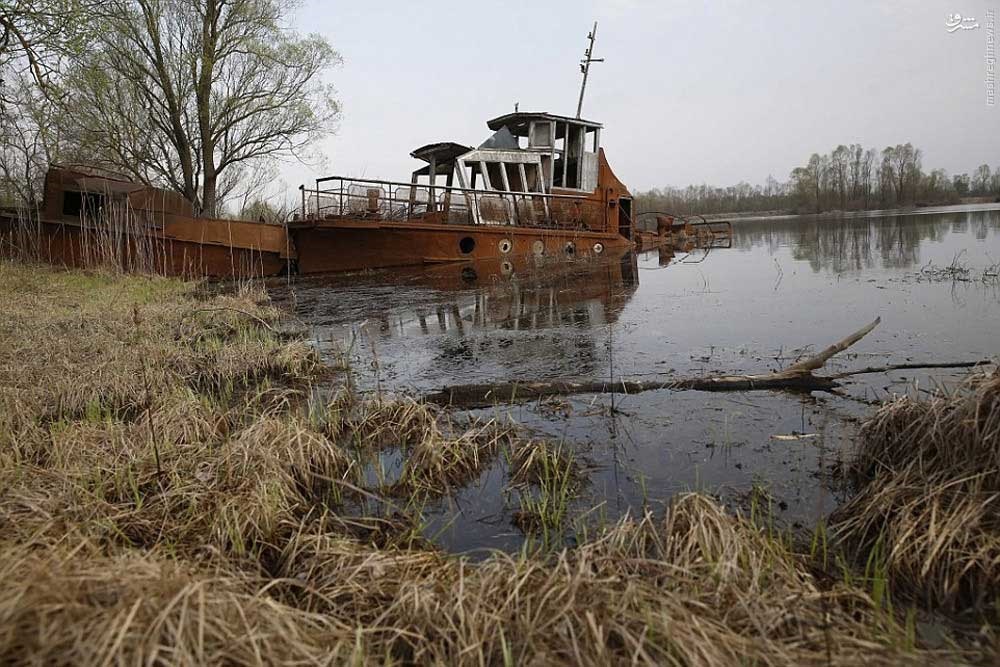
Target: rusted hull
column 182, row 248
column 349, row 245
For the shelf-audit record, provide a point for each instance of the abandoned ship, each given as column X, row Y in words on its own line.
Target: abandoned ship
column 539, row 186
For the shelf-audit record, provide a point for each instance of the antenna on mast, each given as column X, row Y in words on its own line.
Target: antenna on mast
column 585, row 66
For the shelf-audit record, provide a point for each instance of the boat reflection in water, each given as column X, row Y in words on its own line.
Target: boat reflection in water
column 531, row 294
column 476, row 318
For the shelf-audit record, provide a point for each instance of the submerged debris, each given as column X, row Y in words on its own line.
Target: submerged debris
column 959, row 271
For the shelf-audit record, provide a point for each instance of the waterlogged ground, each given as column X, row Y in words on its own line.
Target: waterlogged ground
column 785, row 287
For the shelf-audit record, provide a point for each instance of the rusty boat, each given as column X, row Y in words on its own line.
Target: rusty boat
column 91, row 216
column 539, row 186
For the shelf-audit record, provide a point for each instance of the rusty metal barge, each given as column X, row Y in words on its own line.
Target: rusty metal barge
column 90, row 216
column 539, row 186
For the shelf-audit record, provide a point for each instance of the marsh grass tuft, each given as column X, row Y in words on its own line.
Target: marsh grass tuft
column 545, row 478
column 926, row 518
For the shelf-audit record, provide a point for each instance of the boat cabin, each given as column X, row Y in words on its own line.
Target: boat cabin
column 536, row 169
column 568, row 147
column 528, row 152
column 75, row 191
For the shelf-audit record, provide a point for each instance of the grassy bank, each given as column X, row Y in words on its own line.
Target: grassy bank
column 173, row 492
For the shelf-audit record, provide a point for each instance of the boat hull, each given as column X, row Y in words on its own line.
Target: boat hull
column 182, row 247
column 326, row 246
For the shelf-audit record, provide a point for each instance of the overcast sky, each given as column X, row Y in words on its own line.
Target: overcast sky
column 691, row 92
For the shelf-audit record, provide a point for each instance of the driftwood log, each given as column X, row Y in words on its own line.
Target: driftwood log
column 796, row 377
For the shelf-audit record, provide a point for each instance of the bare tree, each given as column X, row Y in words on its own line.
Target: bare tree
column 37, row 38
column 886, row 177
column 35, row 35
column 29, row 141
column 840, row 164
column 981, row 179
column 184, row 92
column 904, row 166
column 816, row 169
column 867, row 164
column 856, row 156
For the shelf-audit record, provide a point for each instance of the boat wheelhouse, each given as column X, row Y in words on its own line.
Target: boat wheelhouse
column 539, row 186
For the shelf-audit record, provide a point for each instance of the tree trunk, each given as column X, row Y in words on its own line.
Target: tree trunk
column 798, row 377
column 204, row 99
column 180, row 137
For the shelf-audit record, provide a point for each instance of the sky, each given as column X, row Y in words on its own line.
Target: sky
column 690, row 92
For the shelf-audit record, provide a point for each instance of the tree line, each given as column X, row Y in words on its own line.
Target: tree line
column 201, row 96
column 850, row 177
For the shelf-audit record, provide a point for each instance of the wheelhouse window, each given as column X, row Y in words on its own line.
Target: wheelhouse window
column 76, row 203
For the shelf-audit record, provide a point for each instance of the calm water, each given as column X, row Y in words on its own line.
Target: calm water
column 785, row 287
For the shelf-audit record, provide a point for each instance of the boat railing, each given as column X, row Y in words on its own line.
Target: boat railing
column 339, row 197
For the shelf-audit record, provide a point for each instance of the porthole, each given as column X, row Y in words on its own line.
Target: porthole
column 505, row 246
column 506, row 268
column 467, row 245
column 569, row 248
column 598, row 248
column 469, row 274
column 538, row 248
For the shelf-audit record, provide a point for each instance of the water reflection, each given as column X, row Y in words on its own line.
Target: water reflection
column 522, row 294
column 482, row 317
column 854, row 244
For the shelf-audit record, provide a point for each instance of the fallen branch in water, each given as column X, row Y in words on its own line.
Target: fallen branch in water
column 797, row 377
column 913, row 366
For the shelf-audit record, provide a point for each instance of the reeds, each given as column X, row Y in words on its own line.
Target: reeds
column 116, row 238
column 928, row 472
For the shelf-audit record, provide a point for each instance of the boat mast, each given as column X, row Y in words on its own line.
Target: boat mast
column 585, row 66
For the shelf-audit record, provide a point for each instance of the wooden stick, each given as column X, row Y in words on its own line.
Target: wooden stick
column 816, row 362
column 914, row 366
column 797, row 377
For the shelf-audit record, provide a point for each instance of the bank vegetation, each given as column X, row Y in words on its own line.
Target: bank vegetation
column 848, row 178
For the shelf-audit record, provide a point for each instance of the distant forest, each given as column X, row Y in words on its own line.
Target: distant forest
column 846, row 179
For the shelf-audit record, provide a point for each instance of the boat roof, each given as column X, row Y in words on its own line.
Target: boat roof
column 517, row 122
column 90, row 170
column 442, row 151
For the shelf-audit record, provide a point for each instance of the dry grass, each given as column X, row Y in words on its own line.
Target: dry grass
column 697, row 588
column 170, row 495
column 441, row 452
column 929, row 503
